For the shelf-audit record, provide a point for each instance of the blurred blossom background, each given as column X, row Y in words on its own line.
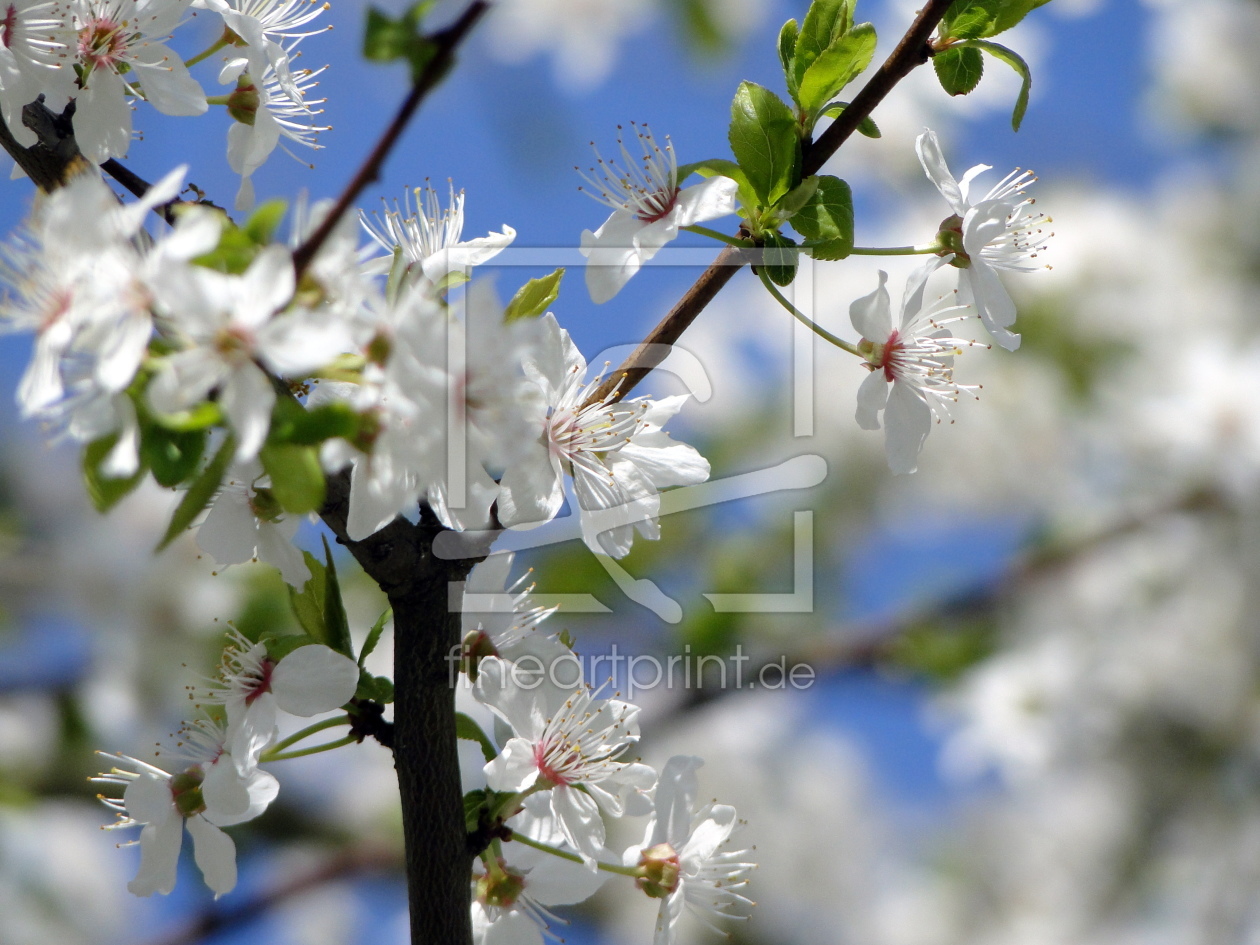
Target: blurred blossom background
column 1036, row 719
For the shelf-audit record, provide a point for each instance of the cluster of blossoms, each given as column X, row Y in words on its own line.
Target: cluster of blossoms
column 560, row 768
column 216, row 780
column 107, row 55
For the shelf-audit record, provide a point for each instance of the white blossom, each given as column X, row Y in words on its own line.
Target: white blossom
column 616, row 451
column 912, row 374
column 649, row 208
column 246, row 523
column 997, row 232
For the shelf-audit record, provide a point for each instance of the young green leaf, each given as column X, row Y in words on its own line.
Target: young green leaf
column 827, row 220
column 959, row 69
column 796, row 198
column 263, row 222
column 105, row 491
column 534, row 297
column 199, row 493
column 825, row 23
column 969, row 19
column 172, row 455
column 764, row 140
column 297, row 478
column 787, row 53
column 308, row 604
column 866, row 126
column 336, row 625
column 721, row 167
column 470, row 731
column 374, row 635
column 836, row 66
column 780, row 259
column 291, row 422
column 387, row 40
column 377, row 688
column 281, row 645
column 1012, row 59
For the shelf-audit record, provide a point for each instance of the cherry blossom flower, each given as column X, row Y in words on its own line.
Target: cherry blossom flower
column 617, row 453
column 648, row 207
column 565, row 742
column 227, row 324
column 246, row 523
column 267, row 110
column 499, row 620
column 683, row 854
column 252, row 687
column 34, row 49
column 512, row 895
column 912, row 375
column 121, row 55
column 429, row 236
column 997, row 232
column 213, row 791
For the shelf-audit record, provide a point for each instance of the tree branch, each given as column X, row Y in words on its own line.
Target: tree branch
column 446, row 41
column 912, row 51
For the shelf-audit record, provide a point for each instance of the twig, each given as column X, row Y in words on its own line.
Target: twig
column 912, row 51
column 446, row 41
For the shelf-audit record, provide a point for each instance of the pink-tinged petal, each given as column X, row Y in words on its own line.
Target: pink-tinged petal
column 215, row 854
column 908, row 420
column 159, row 857
column 247, row 398
column 872, row 397
column 871, row 315
column 229, row 533
column 612, row 255
column 515, row 769
column 992, row 302
column 578, row 816
column 148, row 799
column 314, row 679
column 933, row 161
column 707, row 200
column 224, row 790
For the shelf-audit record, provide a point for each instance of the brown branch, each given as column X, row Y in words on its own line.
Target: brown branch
column 912, row 51
column 217, row 919
column 446, row 40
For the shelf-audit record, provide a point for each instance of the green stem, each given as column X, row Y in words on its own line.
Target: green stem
column 314, row 749
column 574, row 858
column 808, row 323
column 202, row 56
column 217, row 99
column 309, row 731
column 894, row 250
column 714, row 234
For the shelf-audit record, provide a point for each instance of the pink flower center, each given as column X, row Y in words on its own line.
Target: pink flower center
column 657, row 205
column 8, row 25
column 263, row 683
column 101, row 43
column 546, row 768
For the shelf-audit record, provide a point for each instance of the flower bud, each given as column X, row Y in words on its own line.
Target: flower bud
column 660, row 871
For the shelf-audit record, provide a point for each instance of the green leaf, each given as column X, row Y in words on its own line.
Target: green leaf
column 976, row 19
column 386, row 40
column 837, row 66
column 336, row 625
column 825, row 23
column 1011, row 13
column 470, row 731
column 721, row 167
column 172, row 456
column 534, row 297
column 263, row 222
column 474, row 804
column 201, row 417
column 308, row 603
column 199, row 492
column 780, row 259
column 297, row 478
column 1012, row 59
column 764, row 140
column 106, row 491
column 827, row 220
column 374, row 635
column 866, row 126
column 281, row 645
column 959, row 69
column 797, row 197
column 235, row 251
column 787, row 53
column 291, row 422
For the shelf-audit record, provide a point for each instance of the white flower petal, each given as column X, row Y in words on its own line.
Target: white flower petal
column 215, row 854
column 314, row 679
